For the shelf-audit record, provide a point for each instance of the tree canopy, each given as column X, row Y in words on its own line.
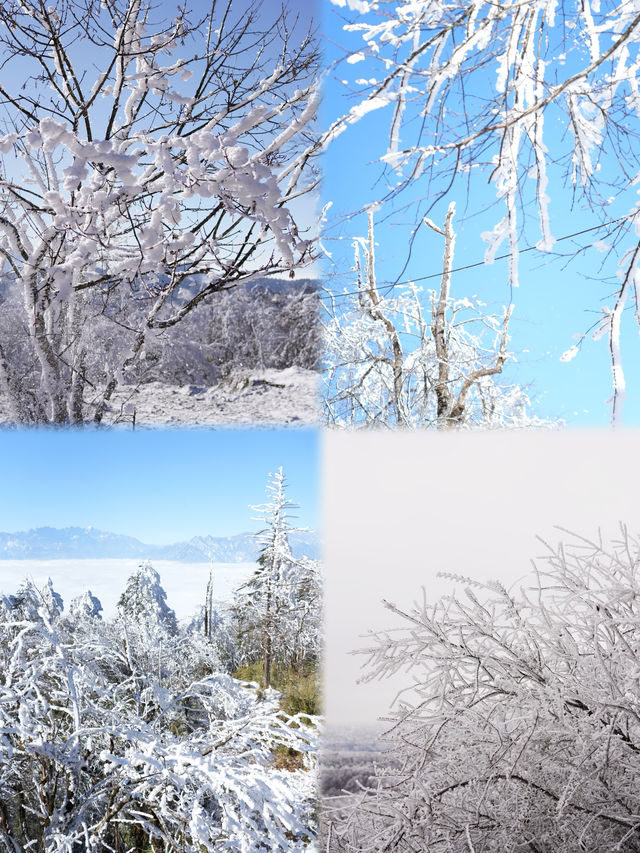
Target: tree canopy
column 518, row 728
column 150, row 157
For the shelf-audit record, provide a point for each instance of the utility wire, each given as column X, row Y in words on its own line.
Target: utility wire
column 388, row 287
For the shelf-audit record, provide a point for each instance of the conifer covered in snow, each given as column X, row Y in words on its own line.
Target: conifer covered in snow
column 279, row 608
column 144, row 601
column 85, row 606
column 30, row 601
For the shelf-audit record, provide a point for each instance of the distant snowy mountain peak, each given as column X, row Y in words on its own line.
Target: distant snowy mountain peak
column 50, row 543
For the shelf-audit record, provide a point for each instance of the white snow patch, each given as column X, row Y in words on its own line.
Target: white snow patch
column 570, row 354
column 288, row 396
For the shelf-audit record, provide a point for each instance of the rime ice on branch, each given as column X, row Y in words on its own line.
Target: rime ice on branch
column 389, row 363
column 526, row 96
column 518, row 728
column 143, row 153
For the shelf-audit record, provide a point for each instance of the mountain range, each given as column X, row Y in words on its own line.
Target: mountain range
column 51, row 543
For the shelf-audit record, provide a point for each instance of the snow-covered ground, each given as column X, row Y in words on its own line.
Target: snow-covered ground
column 288, row 396
column 184, row 583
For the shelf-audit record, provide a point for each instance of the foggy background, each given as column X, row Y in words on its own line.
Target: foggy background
column 399, row 508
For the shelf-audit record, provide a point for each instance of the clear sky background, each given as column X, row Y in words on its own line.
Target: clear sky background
column 401, row 507
column 302, row 17
column 160, row 486
column 556, row 300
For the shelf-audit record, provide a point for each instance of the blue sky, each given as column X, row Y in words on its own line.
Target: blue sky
column 161, row 486
column 556, row 300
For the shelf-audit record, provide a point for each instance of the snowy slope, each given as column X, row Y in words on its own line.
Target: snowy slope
column 288, row 396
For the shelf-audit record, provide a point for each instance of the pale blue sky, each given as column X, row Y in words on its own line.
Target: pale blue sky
column 555, row 301
column 161, row 486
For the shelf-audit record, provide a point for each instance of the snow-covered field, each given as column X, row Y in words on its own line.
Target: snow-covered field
column 288, row 396
column 184, row 583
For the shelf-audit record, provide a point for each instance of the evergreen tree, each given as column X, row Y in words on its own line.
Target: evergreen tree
column 276, row 606
column 86, row 606
column 145, row 602
column 28, row 601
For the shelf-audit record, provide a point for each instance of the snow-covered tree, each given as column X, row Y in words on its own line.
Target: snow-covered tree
column 279, row 608
column 520, row 727
column 95, row 756
column 147, row 150
column 85, row 606
column 144, row 600
column 208, row 621
column 540, row 99
column 29, row 601
column 147, row 632
column 389, row 363
column 213, row 623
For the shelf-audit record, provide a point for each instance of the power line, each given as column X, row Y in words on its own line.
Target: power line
column 388, row 287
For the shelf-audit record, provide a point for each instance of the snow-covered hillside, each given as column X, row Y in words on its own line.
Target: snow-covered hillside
column 51, row 543
column 288, row 396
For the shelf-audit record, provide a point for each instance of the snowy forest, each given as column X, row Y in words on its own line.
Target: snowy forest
column 259, row 337
column 139, row 733
column 518, row 725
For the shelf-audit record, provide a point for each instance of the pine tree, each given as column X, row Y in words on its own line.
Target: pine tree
column 29, row 600
column 145, row 601
column 271, row 606
column 86, row 606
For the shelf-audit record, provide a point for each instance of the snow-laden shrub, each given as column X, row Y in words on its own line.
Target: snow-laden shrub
column 104, row 747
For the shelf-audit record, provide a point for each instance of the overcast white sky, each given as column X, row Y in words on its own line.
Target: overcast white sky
column 399, row 508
